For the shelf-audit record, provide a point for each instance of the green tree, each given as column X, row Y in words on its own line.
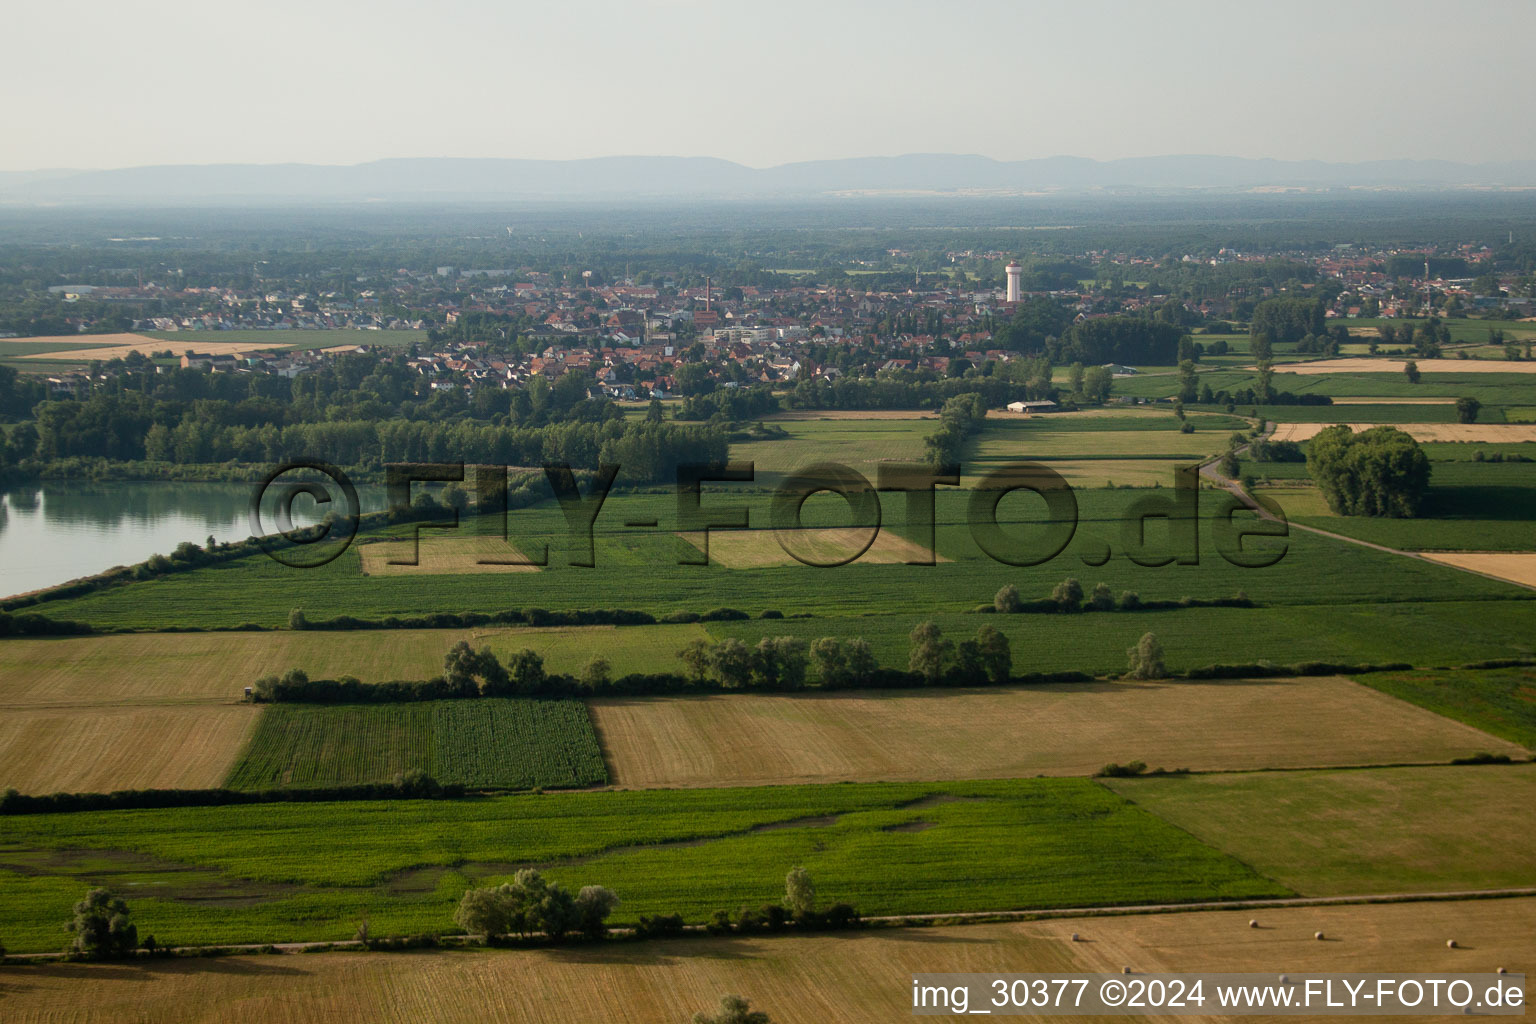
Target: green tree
column 596, row 673
column 929, row 653
column 996, row 654
column 593, row 905
column 697, row 656
column 1189, row 385
column 1467, row 410
column 1145, row 660
column 862, row 664
column 799, row 892
column 655, row 413
column 1378, row 472
column 101, row 926
column 831, row 661
column 732, row 661
column 1411, row 371
column 526, row 671
column 1103, row 599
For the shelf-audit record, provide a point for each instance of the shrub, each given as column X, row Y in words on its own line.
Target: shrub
column 1068, row 594
column 1007, row 599
column 733, row 1010
column 660, row 926
column 1130, row 601
column 1114, row 770
column 1103, row 599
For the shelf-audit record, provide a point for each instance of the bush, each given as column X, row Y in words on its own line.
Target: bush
column 1129, row 601
column 1007, row 599
column 1103, row 599
column 733, row 1010
column 660, row 926
column 1068, row 594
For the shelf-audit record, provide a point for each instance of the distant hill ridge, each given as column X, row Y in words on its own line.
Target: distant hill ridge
column 663, row 176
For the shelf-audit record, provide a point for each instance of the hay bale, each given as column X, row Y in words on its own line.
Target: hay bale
column 1450, row 943
column 1318, row 936
column 1253, row 924
column 1074, row 936
column 1125, row 970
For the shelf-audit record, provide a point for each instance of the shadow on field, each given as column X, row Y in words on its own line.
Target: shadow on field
column 150, row 970
column 946, row 692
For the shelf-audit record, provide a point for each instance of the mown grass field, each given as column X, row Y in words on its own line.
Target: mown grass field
column 500, row 743
column 1501, row 702
column 311, row 871
column 1018, row 732
column 1376, row 830
column 815, row 979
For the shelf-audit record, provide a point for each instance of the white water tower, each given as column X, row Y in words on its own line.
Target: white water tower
column 1015, row 282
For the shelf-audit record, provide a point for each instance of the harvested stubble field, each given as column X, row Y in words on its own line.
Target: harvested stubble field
column 211, row 668
column 832, row 979
column 1378, row 830
column 1515, row 566
column 312, row 870
column 96, row 750
column 118, row 346
column 1017, row 732
column 1493, row 433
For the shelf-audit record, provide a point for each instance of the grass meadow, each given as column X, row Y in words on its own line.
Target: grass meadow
column 1501, row 702
column 312, row 871
column 1380, row 830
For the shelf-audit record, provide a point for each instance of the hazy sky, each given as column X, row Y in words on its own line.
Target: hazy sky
column 112, row 84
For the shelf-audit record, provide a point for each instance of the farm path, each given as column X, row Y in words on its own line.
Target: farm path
column 983, row 915
column 1208, row 471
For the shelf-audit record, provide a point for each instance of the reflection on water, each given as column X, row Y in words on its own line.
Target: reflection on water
column 55, row 532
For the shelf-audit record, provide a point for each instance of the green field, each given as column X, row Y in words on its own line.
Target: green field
column 312, row 871
column 1412, row 632
column 496, row 743
column 639, row 568
column 1501, row 702
column 857, row 443
column 1470, row 506
column 1377, row 830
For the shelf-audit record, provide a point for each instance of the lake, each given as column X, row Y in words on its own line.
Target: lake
column 54, row 532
